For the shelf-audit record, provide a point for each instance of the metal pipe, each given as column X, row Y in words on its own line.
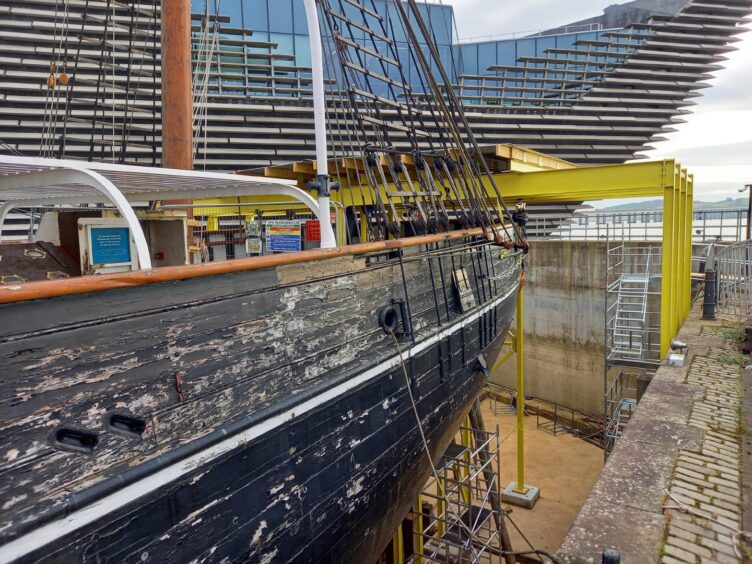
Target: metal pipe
column 519, row 338
column 319, row 120
column 749, row 212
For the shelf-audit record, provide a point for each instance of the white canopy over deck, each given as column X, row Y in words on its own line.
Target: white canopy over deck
column 31, row 181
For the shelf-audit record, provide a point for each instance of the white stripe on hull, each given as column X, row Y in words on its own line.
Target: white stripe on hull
column 64, row 526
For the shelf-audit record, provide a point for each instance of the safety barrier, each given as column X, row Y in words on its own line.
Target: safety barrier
column 733, row 275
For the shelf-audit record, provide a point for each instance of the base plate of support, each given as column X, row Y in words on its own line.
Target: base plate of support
column 527, row 499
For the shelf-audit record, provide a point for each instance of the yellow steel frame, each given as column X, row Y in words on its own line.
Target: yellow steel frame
column 666, row 179
column 398, row 546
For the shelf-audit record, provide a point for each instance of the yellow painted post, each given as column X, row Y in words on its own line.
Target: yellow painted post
column 418, row 530
column 441, row 509
column 464, row 473
column 666, row 255
column 688, row 250
column 520, row 487
column 676, row 252
column 398, row 550
column 363, row 225
column 681, row 218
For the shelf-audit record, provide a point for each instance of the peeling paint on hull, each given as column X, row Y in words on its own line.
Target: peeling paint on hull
column 328, row 484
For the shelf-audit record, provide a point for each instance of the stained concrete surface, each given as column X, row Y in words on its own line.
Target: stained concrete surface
column 565, row 469
column 671, row 489
column 565, row 323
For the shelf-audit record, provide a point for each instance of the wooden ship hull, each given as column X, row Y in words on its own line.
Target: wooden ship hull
column 254, row 410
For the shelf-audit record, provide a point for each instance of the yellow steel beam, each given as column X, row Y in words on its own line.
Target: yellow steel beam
column 588, row 183
column 680, row 254
column 636, row 180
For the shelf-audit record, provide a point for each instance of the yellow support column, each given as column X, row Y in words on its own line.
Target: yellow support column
column 441, row 509
column 520, row 487
column 519, row 493
column 464, row 470
column 681, row 218
column 418, row 530
column 363, row 225
column 667, row 253
column 688, row 249
column 398, row 550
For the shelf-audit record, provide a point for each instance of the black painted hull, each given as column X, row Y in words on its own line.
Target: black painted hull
column 321, row 472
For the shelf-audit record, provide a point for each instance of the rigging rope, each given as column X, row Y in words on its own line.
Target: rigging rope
column 370, row 63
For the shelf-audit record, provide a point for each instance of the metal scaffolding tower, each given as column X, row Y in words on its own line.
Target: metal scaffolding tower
column 632, row 328
column 467, row 522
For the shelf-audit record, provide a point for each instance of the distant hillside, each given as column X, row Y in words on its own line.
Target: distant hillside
column 658, row 205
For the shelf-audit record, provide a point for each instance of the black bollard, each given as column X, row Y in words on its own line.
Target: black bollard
column 611, row 556
column 708, row 300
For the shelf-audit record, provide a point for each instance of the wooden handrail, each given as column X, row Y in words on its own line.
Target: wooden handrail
column 98, row 283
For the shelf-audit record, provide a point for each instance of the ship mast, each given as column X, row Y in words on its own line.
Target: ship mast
column 322, row 183
column 177, row 94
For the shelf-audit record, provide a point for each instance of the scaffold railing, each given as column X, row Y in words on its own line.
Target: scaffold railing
column 707, row 225
column 632, row 306
column 466, row 521
column 621, row 400
column 733, row 267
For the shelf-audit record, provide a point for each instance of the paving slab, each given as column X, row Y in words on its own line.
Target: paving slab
column 677, row 484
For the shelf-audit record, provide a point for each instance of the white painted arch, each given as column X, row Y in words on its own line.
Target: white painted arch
column 31, row 181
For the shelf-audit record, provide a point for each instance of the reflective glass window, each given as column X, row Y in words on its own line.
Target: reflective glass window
column 285, row 43
column 302, row 51
column 300, row 23
column 506, row 52
column 469, row 54
column 255, row 15
column 525, row 48
column 544, row 43
column 280, row 16
column 486, row 57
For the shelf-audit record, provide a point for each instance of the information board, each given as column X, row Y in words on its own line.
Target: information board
column 313, row 230
column 110, row 245
column 283, row 236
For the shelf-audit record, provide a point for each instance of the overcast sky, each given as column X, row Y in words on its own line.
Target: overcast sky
column 715, row 143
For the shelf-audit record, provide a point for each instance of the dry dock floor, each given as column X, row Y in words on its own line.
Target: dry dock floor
column 565, row 469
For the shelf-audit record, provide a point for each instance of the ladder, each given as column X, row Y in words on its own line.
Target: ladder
column 631, row 316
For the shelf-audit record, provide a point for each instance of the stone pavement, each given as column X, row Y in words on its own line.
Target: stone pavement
column 671, row 490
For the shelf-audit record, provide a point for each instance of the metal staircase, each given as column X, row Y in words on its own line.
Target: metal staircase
column 631, row 316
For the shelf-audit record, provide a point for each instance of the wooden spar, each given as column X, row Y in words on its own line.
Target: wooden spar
column 177, row 92
column 55, row 288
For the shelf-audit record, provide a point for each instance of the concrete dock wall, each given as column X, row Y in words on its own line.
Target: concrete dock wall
column 564, row 324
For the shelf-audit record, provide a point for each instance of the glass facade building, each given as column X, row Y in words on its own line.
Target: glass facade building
column 280, row 39
column 283, row 22
column 477, row 57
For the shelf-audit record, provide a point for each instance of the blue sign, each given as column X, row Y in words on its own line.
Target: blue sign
column 283, row 236
column 110, row 245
